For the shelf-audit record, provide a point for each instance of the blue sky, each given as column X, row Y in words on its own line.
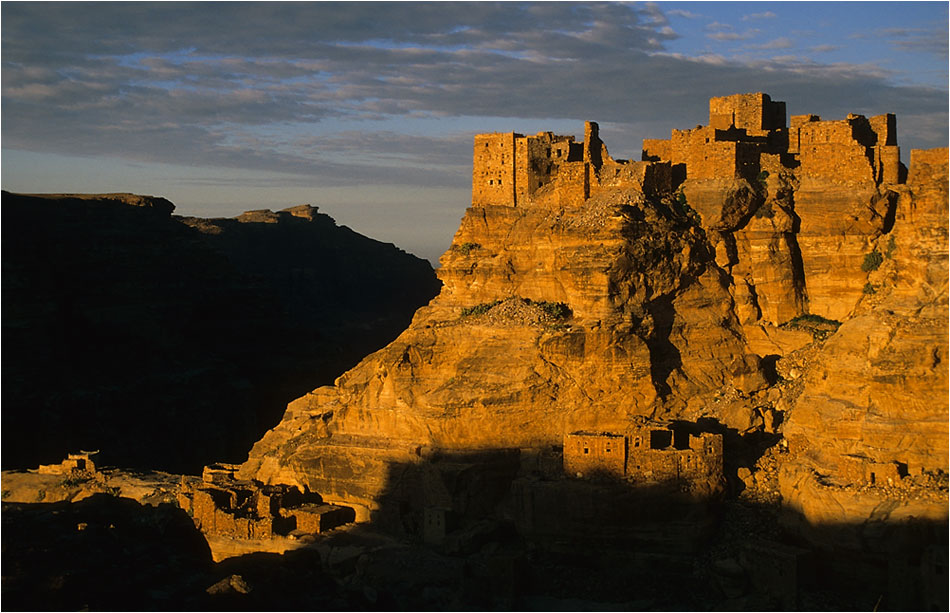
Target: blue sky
column 368, row 110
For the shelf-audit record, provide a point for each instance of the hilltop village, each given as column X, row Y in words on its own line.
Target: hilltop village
column 723, row 363
column 747, row 135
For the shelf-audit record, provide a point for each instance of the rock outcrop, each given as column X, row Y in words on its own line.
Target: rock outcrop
column 873, row 409
column 764, row 279
column 168, row 342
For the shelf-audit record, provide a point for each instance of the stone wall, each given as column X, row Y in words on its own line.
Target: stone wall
column 493, row 174
column 659, row 454
column 549, row 170
column 654, row 453
column 224, row 506
column 82, row 462
column 755, row 113
column 586, row 453
column 314, row 519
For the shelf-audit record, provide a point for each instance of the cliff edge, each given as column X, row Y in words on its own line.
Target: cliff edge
column 768, row 280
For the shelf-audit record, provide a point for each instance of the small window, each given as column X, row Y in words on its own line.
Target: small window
column 586, row 450
column 540, row 183
column 486, row 144
column 491, row 182
column 499, row 181
column 557, row 153
column 548, row 153
column 608, row 448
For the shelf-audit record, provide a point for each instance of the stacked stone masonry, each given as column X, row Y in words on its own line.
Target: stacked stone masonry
column 225, row 506
column 83, row 462
column 648, row 453
column 511, row 169
column 747, row 133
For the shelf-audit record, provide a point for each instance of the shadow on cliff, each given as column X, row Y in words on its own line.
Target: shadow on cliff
column 169, row 343
column 505, row 529
column 483, row 530
column 664, row 356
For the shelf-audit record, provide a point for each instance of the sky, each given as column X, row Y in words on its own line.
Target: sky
column 368, row 110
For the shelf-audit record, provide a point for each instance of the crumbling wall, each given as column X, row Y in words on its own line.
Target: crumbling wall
column 653, row 453
column 833, row 151
column 314, row 519
column 755, row 113
column 82, row 462
column 223, row 506
column 586, row 453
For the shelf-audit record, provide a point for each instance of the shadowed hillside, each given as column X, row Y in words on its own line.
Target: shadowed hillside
column 170, row 342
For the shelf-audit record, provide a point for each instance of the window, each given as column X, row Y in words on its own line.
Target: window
column 586, row 450
column 491, row 182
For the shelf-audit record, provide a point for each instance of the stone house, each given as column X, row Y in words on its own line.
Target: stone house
column 747, row 134
column 653, row 452
column 224, row 506
column 83, row 462
column 511, row 169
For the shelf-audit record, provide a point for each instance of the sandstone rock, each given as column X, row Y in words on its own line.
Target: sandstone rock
column 682, row 300
column 233, row 584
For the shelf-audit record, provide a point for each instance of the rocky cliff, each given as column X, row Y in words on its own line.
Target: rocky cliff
column 171, row 342
column 773, row 282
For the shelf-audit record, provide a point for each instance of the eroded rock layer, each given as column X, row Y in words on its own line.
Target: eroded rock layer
column 785, row 281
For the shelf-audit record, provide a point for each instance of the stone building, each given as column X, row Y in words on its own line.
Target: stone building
column 858, row 469
column 653, row 452
column 83, row 462
column 511, row 169
column 224, row 506
column 747, row 134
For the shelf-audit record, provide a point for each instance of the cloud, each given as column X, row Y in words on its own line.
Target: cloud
column 728, row 35
column 278, row 87
column 917, row 40
column 683, row 14
column 756, row 16
column 778, row 43
column 824, row 48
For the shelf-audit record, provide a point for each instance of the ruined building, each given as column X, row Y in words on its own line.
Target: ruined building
column 747, row 134
column 653, row 452
column 83, row 462
column 548, row 169
column 224, row 506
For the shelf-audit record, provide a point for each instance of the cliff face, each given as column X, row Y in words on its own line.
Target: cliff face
column 873, row 407
column 704, row 284
column 120, row 319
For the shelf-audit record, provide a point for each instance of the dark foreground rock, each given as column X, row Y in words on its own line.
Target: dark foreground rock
column 172, row 342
